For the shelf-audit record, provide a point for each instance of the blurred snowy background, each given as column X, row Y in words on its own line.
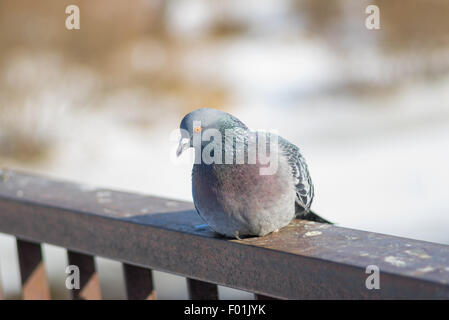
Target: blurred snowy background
column 369, row 109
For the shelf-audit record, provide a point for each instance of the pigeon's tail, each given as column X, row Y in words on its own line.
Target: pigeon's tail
column 310, row 215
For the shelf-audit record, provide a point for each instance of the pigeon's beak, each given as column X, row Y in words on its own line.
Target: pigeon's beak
column 184, row 143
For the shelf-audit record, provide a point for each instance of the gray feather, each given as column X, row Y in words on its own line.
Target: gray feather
column 300, row 173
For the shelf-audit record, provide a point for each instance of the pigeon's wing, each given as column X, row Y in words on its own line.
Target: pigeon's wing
column 303, row 182
column 300, row 175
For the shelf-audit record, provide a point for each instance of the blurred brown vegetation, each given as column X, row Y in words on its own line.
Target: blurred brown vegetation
column 121, row 46
column 128, row 49
column 405, row 25
column 415, row 24
column 126, row 44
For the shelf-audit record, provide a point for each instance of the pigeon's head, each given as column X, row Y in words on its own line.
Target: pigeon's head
column 198, row 121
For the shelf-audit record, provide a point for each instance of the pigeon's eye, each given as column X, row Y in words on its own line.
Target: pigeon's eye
column 197, row 129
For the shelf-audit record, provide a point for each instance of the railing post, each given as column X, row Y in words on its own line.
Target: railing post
column 139, row 283
column 200, row 290
column 32, row 271
column 89, row 283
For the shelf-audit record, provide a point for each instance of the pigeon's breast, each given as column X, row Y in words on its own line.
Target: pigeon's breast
column 238, row 198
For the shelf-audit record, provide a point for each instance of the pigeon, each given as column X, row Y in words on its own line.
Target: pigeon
column 237, row 189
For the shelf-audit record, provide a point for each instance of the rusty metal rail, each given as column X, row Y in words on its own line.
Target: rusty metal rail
column 304, row 260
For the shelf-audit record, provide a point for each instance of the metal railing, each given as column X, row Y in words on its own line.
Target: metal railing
column 304, row 260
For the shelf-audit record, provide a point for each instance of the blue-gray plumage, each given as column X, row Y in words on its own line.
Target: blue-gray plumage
column 236, row 199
